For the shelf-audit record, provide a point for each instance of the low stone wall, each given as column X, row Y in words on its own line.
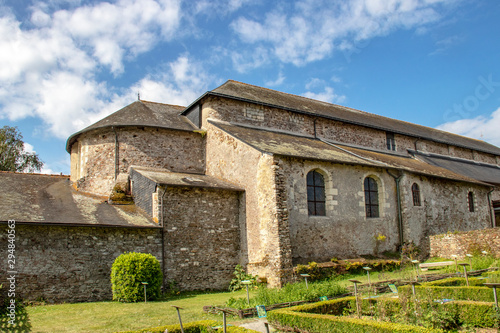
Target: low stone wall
column 461, row 243
column 71, row 263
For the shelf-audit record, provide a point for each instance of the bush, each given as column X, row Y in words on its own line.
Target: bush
column 127, row 273
column 239, row 276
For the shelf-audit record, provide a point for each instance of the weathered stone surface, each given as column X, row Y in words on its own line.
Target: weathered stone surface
column 101, row 155
column 462, row 243
column 72, row 264
column 201, row 236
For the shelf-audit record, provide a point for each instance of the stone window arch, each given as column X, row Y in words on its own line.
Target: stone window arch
column 316, row 194
column 372, row 208
column 415, row 191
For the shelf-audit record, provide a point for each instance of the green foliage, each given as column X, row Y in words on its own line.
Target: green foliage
column 291, row 292
column 13, row 156
column 239, row 276
column 455, row 282
column 317, row 323
column 205, row 326
column 388, row 315
column 318, row 273
column 17, row 313
column 482, row 294
column 409, row 251
column 127, row 273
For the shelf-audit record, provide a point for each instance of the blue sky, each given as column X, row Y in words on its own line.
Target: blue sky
column 65, row 64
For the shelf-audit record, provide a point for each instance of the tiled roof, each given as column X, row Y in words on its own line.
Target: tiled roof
column 286, row 144
column 141, row 113
column 165, row 177
column 488, row 173
column 37, row 198
column 246, row 92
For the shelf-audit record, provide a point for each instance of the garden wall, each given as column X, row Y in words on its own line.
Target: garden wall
column 460, row 243
column 71, row 263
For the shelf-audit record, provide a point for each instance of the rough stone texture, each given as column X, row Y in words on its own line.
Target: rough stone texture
column 264, row 248
column 461, row 243
column 201, row 237
column 245, row 113
column 169, row 149
column 72, row 264
column 444, row 208
column 345, row 231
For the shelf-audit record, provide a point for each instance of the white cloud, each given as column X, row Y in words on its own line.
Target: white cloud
column 49, row 68
column 312, row 29
column 279, row 80
column 481, row 127
column 328, row 95
column 29, row 148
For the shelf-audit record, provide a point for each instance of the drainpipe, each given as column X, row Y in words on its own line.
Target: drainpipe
column 492, row 213
column 397, row 179
column 163, row 240
column 116, row 151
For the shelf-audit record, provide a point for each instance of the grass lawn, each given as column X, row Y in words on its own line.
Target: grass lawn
column 115, row 316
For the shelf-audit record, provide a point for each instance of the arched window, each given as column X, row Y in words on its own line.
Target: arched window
column 415, row 191
column 316, row 194
column 470, row 198
column 371, row 197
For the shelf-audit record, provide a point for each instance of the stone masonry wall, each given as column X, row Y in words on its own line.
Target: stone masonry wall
column 345, row 231
column 263, row 224
column 444, row 208
column 461, row 243
column 72, row 264
column 201, row 237
column 179, row 151
column 263, row 116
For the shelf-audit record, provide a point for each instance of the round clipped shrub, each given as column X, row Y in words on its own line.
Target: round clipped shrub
column 129, row 271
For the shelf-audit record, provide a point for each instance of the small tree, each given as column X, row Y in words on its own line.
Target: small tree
column 13, row 157
column 129, row 271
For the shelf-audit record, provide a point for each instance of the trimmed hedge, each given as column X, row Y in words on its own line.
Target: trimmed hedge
column 316, row 323
column 327, row 316
column 455, row 282
column 204, row 326
column 475, row 314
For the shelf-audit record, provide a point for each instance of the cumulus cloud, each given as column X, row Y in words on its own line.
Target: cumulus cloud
column 327, row 95
column 482, row 127
column 281, row 78
column 49, row 66
column 312, row 29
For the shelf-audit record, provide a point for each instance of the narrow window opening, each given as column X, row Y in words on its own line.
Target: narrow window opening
column 470, row 198
column 391, row 143
column 415, row 190
column 371, row 197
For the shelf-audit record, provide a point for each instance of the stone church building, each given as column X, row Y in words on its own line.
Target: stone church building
column 243, row 175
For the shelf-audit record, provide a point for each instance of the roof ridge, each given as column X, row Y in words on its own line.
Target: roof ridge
column 300, row 96
column 176, row 105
